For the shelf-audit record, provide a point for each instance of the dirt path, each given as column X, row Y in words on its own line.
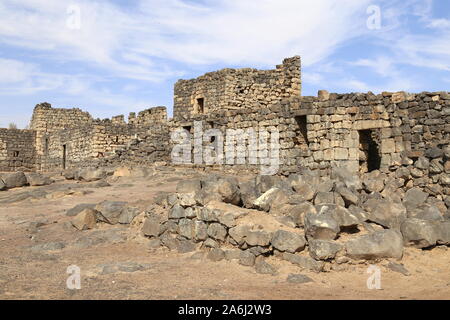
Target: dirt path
column 37, row 246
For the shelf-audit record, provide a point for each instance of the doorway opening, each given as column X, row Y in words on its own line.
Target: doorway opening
column 64, row 156
column 369, row 154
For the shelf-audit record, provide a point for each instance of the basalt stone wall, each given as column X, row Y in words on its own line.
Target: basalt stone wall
column 67, row 148
column 100, row 139
column 234, row 89
column 362, row 132
column 17, row 150
column 149, row 117
column 146, row 148
column 47, row 120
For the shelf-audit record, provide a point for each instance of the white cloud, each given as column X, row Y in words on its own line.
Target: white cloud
column 233, row 31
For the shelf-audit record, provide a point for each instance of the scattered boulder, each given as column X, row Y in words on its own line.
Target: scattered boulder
column 91, row 174
column 323, row 249
column 382, row 244
column 340, row 214
column 298, row 212
column 14, row 180
column 70, row 174
column 128, row 214
column 425, row 212
column 434, row 153
column 85, row 220
column 2, row 185
column 286, row 241
column 304, row 189
column 347, row 177
column 399, row 268
column 299, row 279
column 321, row 226
column 443, row 233
column 385, row 212
column 414, row 197
column 324, row 197
column 419, row 233
column 274, row 196
column 112, row 210
column 350, row 197
column 248, row 193
column 37, row 179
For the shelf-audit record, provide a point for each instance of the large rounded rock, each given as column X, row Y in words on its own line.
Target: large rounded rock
column 381, row 244
column 286, row 241
column 14, row 180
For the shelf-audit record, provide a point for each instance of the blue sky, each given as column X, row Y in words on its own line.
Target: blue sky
column 115, row 57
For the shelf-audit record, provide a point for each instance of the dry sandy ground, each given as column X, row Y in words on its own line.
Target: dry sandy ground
column 34, row 266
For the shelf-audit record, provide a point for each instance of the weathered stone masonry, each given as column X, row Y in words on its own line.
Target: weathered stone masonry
column 17, row 150
column 363, row 132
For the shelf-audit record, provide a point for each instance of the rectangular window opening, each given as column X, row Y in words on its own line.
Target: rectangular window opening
column 369, row 154
column 302, row 137
column 201, row 105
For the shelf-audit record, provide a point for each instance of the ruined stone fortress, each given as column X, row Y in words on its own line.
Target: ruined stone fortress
column 362, row 131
